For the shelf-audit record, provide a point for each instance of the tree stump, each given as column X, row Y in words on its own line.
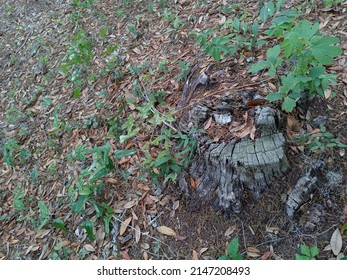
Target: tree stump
column 244, row 148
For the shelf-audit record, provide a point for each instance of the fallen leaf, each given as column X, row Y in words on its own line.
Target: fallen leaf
column 99, row 236
column 89, row 248
column 253, row 250
column 208, row 124
column 129, row 204
column 202, row 250
column 253, row 255
column 137, row 234
column 166, row 231
column 192, row 182
column 124, row 225
column 336, row 242
column 266, row 255
column 180, row 237
column 144, row 246
column 327, row 248
column 125, row 255
column 229, row 231
column 176, row 205
column 272, row 87
column 195, row 255
column 112, row 181
column 172, row 213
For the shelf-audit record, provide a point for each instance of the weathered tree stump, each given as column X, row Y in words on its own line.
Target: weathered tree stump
column 250, row 155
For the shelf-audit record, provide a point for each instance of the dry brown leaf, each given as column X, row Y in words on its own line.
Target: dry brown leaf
column 100, row 235
column 327, row 248
column 266, row 255
column 192, row 182
column 137, row 234
column 208, row 124
column 89, row 248
column 202, row 250
column 130, row 204
column 180, row 237
column 42, row 233
column 166, row 231
column 293, row 124
column 336, row 242
column 124, row 225
column 134, row 216
column 123, row 161
column 145, row 255
column 172, row 213
column 195, row 255
column 315, row 131
column 145, row 246
column 252, row 133
column 176, row 205
column 244, row 132
column 253, row 250
column 229, row 231
column 112, row 181
column 272, row 86
column 253, row 255
column 144, row 187
column 327, row 93
column 125, row 255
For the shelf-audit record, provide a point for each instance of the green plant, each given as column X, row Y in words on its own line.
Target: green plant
column 216, row 46
column 59, row 252
column 134, row 31
column 18, row 198
column 307, row 253
column 331, row 3
column 79, row 56
column 89, row 184
column 184, row 71
column 44, row 216
column 232, row 251
column 320, row 140
column 84, row 4
column 10, row 147
column 306, row 53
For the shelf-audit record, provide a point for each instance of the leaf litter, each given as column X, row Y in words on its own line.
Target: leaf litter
column 29, row 182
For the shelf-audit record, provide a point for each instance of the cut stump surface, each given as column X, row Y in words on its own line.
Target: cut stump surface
column 221, row 170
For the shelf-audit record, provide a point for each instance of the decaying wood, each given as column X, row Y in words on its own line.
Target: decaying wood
column 302, row 189
column 221, row 170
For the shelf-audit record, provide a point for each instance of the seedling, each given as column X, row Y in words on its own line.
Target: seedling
column 232, row 251
column 307, row 253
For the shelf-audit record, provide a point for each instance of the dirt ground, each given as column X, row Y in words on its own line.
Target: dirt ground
column 39, row 113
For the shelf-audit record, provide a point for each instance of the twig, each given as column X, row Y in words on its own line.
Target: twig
column 152, row 221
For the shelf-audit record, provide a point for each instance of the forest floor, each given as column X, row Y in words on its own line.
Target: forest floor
column 76, row 77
